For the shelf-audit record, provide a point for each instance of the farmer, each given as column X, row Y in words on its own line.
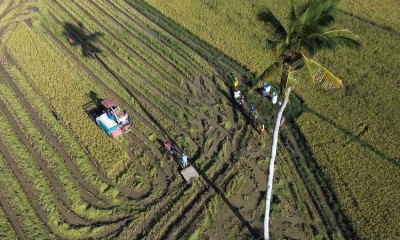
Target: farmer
column 241, row 100
column 252, row 107
column 236, row 83
column 262, row 130
column 167, row 146
column 255, row 116
column 184, row 160
column 71, row 40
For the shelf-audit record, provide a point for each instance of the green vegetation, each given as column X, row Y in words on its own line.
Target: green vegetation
column 6, row 230
column 69, row 180
column 308, row 32
column 363, row 112
column 49, row 79
column 20, row 202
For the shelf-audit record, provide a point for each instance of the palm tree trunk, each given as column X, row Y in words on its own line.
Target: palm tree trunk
column 272, row 163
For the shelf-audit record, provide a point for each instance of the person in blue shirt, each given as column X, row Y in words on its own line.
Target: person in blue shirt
column 184, row 160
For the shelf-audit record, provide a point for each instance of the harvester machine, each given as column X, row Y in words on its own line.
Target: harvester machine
column 117, row 114
column 109, row 117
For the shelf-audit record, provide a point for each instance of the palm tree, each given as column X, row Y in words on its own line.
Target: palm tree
column 308, row 30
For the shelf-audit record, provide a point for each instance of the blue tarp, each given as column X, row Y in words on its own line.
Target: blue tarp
column 107, row 125
column 110, row 116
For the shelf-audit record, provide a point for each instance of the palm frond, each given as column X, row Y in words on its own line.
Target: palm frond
column 291, row 79
column 317, row 13
column 271, row 70
column 318, row 41
column 321, row 75
column 269, row 18
column 343, row 37
column 303, row 7
column 298, row 64
column 331, row 40
column 326, row 20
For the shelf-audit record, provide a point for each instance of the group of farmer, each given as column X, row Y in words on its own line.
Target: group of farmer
column 253, row 114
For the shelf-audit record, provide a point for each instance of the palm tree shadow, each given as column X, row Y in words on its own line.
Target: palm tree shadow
column 77, row 37
column 356, row 139
column 253, row 232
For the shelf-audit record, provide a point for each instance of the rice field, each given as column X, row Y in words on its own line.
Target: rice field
column 69, row 180
column 351, row 135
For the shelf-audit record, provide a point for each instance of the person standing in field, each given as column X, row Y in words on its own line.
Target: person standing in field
column 184, row 160
column 262, row 130
column 236, row 83
column 255, row 116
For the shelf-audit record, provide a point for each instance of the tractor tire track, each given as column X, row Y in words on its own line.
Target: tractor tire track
column 192, row 41
column 94, row 77
column 97, row 80
column 153, row 33
column 317, row 194
column 154, row 36
column 21, row 178
column 146, row 81
column 67, row 215
column 12, row 218
column 91, row 199
column 137, row 95
column 204, row 191
column 143, row 43
column 81, row 183
column 61, row 199
column 135, row 54
column 227, row 170
column 83, row 67
column 122, row 43
column 87, row 190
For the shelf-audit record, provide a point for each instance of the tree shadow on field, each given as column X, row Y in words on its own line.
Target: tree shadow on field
column 356, row 138
column 76, row 36
column 255, row 234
